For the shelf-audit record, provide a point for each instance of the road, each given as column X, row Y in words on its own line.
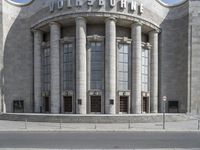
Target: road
column 99, row 140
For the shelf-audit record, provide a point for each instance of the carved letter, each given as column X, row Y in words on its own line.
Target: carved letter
column 123, row 4
column 78, row 3
column 90, row 2
column 112, row 3
column 101, row 2
column 133, row 5
column 52, row 6
column 141, row 9
column 60, row 4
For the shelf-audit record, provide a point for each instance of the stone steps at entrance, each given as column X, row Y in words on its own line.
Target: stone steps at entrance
column 133, row 118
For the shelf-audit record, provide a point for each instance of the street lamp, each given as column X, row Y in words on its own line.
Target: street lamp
column 164, row 101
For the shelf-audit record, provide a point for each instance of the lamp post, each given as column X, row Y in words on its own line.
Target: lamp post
column 164, row 101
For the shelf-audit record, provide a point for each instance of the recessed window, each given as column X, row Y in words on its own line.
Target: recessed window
column 96, row 65
column 123, row 66
column 68, row 66
column 145, row 70
column 46, row 72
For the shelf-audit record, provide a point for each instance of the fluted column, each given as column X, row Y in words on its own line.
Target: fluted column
column 110, row 66
column 81, row 69
column 136, row 67
column 55, row 67
column 153, row 39
column 38, row 38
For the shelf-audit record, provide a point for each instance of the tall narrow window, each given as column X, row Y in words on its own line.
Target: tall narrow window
column 123, row 67
column 46, row 69
column 145, row 70
column 68, row 66
column 96, row 65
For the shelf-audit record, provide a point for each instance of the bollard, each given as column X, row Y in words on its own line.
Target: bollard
column 129, row 124
column 95, row 125
column 26, row 124
column 60, row 123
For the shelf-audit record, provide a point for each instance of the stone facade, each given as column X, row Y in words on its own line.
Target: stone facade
column 169, row 34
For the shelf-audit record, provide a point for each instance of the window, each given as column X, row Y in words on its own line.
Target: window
column 123, row 67
column 46, row 69
column 96, row 65
column 145, row 70
column 68, row 66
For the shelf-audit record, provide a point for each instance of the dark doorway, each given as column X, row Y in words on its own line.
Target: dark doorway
column 124, row 104
column 95, row 104
column 173, row 106
column 46, row 105
column 18, row 106
column 145, row 101
column 68, row 104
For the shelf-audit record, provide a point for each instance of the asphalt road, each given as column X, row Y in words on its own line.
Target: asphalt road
column 99, row 140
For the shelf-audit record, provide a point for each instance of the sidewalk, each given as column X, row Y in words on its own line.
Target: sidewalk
column 191, row 125
column 99, row 149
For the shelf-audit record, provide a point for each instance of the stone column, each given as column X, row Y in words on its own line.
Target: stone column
column 110, row 66
column 153, row 39
column 81, row 68
column 55, row 66
column 38, row 38
column 136, row 34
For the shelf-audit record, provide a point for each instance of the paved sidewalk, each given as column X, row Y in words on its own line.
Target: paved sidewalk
column 191, row 125
column 99, row 149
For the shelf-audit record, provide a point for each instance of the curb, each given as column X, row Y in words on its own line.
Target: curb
column 93, row 130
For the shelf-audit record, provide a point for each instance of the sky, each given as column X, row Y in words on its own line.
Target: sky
column 166, row 1
column 171, row 1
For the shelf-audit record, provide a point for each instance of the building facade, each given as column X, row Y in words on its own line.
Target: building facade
column 99, row 56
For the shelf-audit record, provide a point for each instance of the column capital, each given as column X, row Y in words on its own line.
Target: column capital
column 137, row 23
column 155, row 31
column 37, row 31
column 110, row 18
column 80, row 19
column 54, row 23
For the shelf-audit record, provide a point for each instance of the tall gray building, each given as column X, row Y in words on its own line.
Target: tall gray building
column 99, row 56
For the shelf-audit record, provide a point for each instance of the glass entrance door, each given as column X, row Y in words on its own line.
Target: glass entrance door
column 96, row 104
column 124, row 104
column 68, row 104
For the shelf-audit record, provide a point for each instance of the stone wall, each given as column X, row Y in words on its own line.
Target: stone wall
column 1, row 55
column 194, row 56
column 173, row 64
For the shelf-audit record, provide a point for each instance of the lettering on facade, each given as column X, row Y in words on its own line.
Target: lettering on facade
column 124, row 4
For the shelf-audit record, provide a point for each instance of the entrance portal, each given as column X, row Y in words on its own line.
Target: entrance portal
column 46, row 105
column 124, row 104
column 145, row 104
column 96, row 104
column 68, row 104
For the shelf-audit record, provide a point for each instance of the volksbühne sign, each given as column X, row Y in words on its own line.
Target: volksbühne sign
column 124, row 4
